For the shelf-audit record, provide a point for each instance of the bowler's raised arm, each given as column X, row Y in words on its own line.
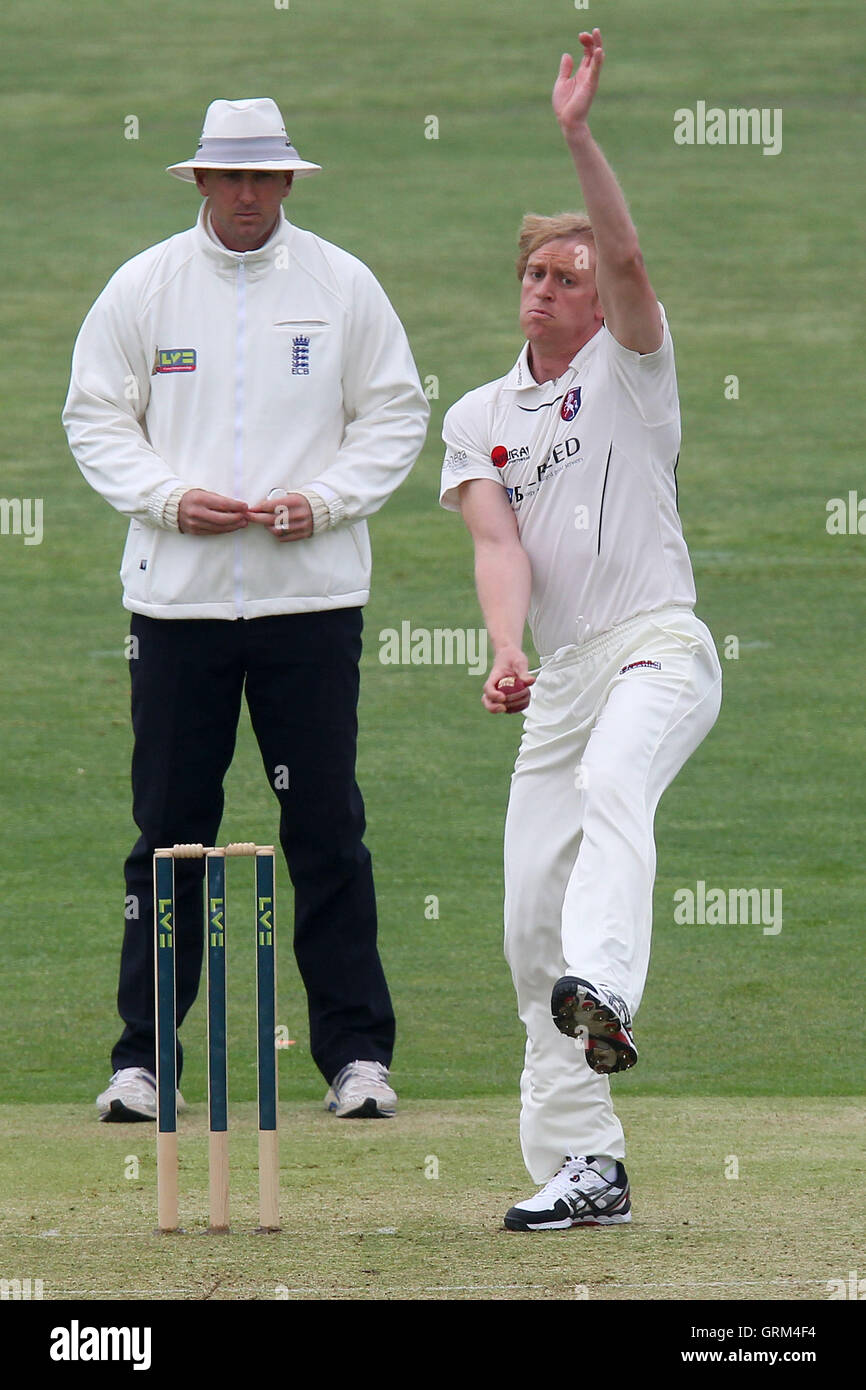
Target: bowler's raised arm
column 631, row 311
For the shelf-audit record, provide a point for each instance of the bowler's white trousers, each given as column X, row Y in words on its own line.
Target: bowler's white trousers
column 600, row 745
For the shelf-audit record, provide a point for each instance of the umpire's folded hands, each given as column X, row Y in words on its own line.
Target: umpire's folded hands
column 289, row 518
column 202, row 513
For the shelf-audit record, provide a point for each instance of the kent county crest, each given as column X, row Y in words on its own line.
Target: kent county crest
column 570, row 403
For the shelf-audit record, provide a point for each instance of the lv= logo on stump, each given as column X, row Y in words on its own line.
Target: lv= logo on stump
column 217, row 1058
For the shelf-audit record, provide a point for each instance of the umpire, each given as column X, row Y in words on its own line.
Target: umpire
column 244, row 392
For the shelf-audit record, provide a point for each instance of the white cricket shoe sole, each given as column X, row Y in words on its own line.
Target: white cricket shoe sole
column 598, row 1016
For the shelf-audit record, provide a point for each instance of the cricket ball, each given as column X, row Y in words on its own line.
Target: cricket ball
column 511, row 685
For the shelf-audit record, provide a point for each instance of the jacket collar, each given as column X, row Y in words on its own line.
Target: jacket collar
column 226, row 262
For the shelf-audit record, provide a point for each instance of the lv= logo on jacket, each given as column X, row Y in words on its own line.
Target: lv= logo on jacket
column 173, row 360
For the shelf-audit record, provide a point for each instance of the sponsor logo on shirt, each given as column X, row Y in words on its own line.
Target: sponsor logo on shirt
column 561, row 457
column 641, row 666
column 173, row 360
column 566, row 449
column 301, row 355
column 500, row 456
column 571, row 403
column 456, row 459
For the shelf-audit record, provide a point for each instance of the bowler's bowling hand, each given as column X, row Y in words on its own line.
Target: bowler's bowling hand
column 203, row 513
column 573, row 93
column 289, row 518
column 506, row 690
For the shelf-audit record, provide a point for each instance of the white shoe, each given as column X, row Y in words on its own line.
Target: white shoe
column 578, row 1195
column 131, row 1095
column 360, row 1091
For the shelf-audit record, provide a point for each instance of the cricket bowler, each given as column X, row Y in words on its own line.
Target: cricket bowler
column 564, row 471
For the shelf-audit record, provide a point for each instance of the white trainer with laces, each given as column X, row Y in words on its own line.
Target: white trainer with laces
column 130, row 1096
column 360, row 1091
column 585, row 1192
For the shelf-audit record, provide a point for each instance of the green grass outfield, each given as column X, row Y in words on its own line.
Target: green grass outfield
column 758, row 262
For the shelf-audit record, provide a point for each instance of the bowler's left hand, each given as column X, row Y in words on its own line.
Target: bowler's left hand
column 289, row 518
column 573, row 92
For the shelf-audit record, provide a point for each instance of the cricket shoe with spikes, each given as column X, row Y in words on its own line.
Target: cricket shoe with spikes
column 600, row 1018
column 585, row 1192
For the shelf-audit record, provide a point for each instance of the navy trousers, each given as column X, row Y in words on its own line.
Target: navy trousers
column 299, row 675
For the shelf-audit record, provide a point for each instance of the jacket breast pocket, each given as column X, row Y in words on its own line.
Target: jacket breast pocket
column 303, row 341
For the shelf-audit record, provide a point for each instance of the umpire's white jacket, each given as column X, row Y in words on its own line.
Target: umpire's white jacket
column 284, row 367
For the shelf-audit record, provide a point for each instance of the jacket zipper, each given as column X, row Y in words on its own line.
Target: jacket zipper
column 240, row 364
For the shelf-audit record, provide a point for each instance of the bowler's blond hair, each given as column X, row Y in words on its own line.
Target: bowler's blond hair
column 536, row 231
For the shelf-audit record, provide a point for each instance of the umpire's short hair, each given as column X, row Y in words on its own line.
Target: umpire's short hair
column 536, row 231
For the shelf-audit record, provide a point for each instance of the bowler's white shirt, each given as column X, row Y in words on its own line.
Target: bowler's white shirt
column 591, row 479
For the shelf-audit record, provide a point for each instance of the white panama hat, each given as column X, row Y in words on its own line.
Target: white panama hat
column 248, row 134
